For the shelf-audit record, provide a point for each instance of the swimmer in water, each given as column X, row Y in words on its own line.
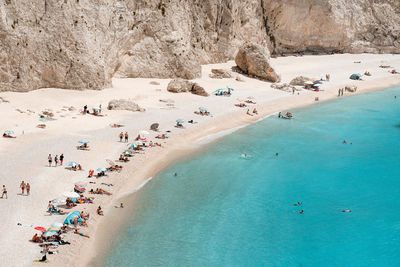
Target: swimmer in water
column 344, row 142
column 175, row 174
column 301, row 212
column 297, row 204
column 346, row 210
column 276, row 154
column 244, row 155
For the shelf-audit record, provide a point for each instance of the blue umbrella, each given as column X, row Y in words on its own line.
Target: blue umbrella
column 219, row 90
column 83, row 141
column 9, row 132
column 101, row 169
column 130, row 145
column 180, row 120
column 72, row 164
column 202, row 109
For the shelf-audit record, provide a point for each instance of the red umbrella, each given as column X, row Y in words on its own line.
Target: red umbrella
column 40, row 228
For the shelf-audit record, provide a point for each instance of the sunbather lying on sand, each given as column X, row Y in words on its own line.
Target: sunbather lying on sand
column 5, row 135
column 114, row 168
column 37, row 239
column 81, row 234
column 122, row 158
column 100, row 191
column 241, row 105
column 162, row 136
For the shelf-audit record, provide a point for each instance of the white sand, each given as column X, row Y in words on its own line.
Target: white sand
column 25, row 158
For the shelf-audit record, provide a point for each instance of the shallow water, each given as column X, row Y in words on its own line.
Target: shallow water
column 223, row 210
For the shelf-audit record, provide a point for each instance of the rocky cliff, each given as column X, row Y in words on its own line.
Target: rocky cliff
column 80, row 44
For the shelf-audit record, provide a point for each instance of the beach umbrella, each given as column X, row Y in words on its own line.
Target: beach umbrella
column 72, row 164
column 49, row 233
column 57, row 224
column 127, row 152
column 9, row 132
column 154, row 126
column 180, row 120
column 81, row 184
column 203, row 109
column 54, row 229
column 144, row 132
column 71, row 195
column 309, row 82
column 355, row 76
column 219, row 90
column 40, row 228
column 83, row 141
column 101, row 169
column 131, row 146
column 230, row 88
column 58, row 201
column 96, row 108
column 317, row 85
column 139, row 142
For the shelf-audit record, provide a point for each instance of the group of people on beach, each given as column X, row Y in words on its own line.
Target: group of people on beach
column 56, row 160
column 122, row 136
column 340, row 91
column 22, row 186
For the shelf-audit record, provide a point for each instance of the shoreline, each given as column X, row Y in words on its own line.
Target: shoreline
column 227, row 128
column 32, row 145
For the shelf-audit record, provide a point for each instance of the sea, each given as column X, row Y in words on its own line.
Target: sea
column 283, row 204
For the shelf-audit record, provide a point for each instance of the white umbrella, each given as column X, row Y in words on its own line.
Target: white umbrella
column 58, row 201
column 71, row 195
column 56, row 224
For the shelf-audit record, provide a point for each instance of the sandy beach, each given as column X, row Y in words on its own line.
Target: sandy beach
column 25, row 157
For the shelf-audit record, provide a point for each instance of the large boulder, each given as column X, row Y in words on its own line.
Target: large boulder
column 198, row 90
column 181, row 86
column 220, row 74
column 253, row 59
column 300, row 81
column 124, row 104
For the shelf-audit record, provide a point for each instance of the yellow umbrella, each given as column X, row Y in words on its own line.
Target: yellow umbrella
column 54, row 228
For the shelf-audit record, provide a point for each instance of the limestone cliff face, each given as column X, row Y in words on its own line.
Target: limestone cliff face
column 81, row 44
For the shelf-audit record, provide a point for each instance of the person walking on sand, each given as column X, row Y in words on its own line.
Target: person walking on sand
column 338, row 92
column 61, row 159
column 50, row 160
column 84, row 109
column 55, row 161
column 126, row 137
column 4, row 192
column 22, row 186
column 28, row 189
column 121, row 136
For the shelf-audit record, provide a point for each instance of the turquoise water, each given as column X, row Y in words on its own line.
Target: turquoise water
column 223, row 210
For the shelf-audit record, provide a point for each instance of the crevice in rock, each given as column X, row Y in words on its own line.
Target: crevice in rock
column 267, row 28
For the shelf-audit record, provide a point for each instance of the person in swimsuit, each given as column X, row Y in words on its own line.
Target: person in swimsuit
column 22, row 186
column 50, row 160
column 56, row 160
column 4, row 192
column 121, row 136
column 28, row 189
column 61, row 159
column 126, row 137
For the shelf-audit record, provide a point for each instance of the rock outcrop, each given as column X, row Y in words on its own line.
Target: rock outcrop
column 124, row 104
column 299, row 81
column 220, row 74
column 83, row 44
column 253, row 59
column 181, row 86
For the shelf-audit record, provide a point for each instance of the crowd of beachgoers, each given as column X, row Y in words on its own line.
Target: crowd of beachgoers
column 73, row 212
